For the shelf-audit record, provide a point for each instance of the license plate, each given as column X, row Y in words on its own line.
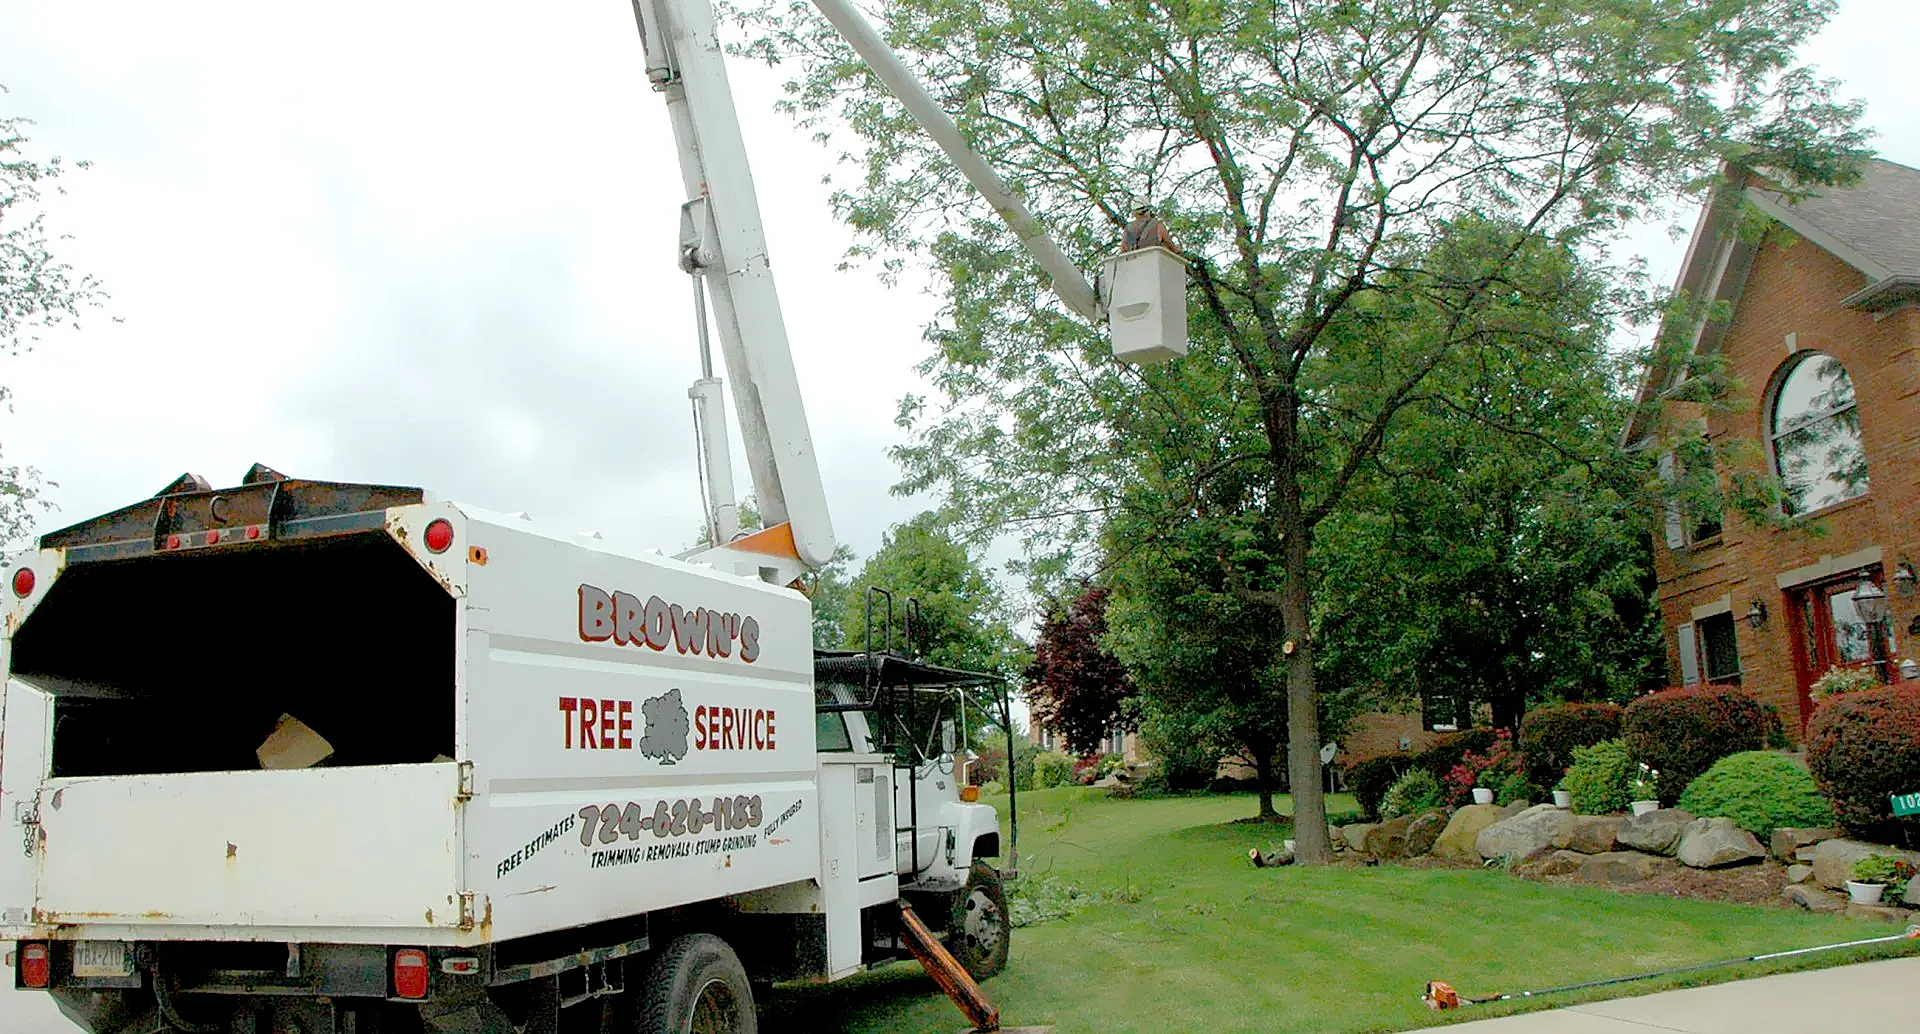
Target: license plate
column 100, row 959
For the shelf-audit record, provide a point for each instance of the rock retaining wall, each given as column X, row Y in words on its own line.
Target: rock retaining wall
column 1542, row 840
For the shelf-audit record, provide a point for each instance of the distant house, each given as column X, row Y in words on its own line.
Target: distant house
column 1125, row 744
column 1824, row 345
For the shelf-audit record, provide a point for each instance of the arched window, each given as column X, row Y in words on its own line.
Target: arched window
column 1815, row 431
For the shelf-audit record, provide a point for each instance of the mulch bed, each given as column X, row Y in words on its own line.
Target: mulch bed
column 1758, row 883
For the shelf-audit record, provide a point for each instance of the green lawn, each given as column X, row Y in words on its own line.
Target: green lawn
column 1183, row 934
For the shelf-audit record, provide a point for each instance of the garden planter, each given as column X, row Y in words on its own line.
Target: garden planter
column 1482, row 796
column 1865, row 893
column 1563, row 799
column 1642, row 807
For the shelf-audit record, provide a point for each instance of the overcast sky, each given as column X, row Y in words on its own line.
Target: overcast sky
column 432, row 244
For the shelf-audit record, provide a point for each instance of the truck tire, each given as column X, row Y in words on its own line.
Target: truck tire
column 980, row 932
column 696, row 986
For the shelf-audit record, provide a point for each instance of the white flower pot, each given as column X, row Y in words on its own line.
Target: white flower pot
column 1481, row 795
column 1642, row 807
column 1563, row 799
column 1865, row 893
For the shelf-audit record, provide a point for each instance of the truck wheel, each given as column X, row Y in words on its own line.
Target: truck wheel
column 696, row 986
column 981, row 932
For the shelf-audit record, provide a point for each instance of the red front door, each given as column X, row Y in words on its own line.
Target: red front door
column 1828, row 633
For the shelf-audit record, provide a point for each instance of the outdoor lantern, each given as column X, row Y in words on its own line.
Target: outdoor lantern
column 1871, row 602
column 1904, row 578
column 1756, row 613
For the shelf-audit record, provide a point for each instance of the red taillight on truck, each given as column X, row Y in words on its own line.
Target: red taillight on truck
column 23, row 582
column 410, row 973
column 439, row 536
column 34, row 967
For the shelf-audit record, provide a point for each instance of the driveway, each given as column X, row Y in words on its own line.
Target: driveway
column 1867, row 998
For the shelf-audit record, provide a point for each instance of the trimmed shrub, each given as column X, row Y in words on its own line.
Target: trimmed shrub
column 1370, row 779
column 1450, row 750
column 1758, row 790
column 1599, row 777
column 1050, row 769
column 1682, row 732
column 1548, row 736
column 1864, row 747
column 1515, row 787
column 1415, row 792
column 1186, row 761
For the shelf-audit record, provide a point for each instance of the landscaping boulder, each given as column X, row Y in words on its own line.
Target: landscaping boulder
column 1356, row 835
column 1833, row 860
column 1788, row 839
column 1594, row 834
column 1912, row 900
column 1813, row 899
column 1456, row 842
column 1799, row 873
column 1388, row 840
column 1884, row 913
column 1619, row 867
column 1530, row 832
column 1508, row 811
column 1656, row 832
column 1423, row 832
column 1559, row 863
column 1717, row 843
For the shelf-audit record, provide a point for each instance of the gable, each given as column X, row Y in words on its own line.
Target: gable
column 1870, row 227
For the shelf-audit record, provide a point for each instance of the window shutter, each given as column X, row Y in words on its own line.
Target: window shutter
column 1676, row 523
column 1689, row 657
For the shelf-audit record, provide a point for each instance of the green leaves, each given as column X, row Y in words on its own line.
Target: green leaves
column 1401, row 217
column 962, row 621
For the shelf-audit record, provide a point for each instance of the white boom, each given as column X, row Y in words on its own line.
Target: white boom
column 723, row 244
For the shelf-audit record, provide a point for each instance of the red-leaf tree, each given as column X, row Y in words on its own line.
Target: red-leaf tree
column 1074, row 686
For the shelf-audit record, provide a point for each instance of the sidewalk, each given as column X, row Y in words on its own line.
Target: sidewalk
column 1868, row 998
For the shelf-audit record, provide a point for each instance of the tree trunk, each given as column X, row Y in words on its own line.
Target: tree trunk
column 1263, row 775
column 1312, row 846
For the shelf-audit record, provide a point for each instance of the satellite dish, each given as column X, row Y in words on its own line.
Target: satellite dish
column 1327, row 752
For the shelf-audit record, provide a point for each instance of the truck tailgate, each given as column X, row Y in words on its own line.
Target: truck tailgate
column 374, row 846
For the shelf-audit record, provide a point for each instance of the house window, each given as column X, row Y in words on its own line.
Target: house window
column 1719, row 652
column 1691, row 476
column 1815, row 431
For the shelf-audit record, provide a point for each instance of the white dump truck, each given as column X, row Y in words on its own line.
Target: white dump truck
column 556, row 777
column 311, row 757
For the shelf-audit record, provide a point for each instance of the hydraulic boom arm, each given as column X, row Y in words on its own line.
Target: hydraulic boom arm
column 724, row 246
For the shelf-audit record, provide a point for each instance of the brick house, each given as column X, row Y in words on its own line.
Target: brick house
column 1821, row 348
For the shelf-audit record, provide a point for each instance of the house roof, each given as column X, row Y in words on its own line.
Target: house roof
column 1869, row 225
column 1872, row 225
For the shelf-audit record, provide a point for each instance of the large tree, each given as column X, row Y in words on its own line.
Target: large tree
column 38, row 291
column 1310, row 156
column 1498, row 551
column 1075, row 685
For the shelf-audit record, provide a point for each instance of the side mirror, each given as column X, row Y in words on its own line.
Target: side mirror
column 947, row 739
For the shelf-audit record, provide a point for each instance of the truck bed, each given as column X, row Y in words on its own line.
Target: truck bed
column 531, row 731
